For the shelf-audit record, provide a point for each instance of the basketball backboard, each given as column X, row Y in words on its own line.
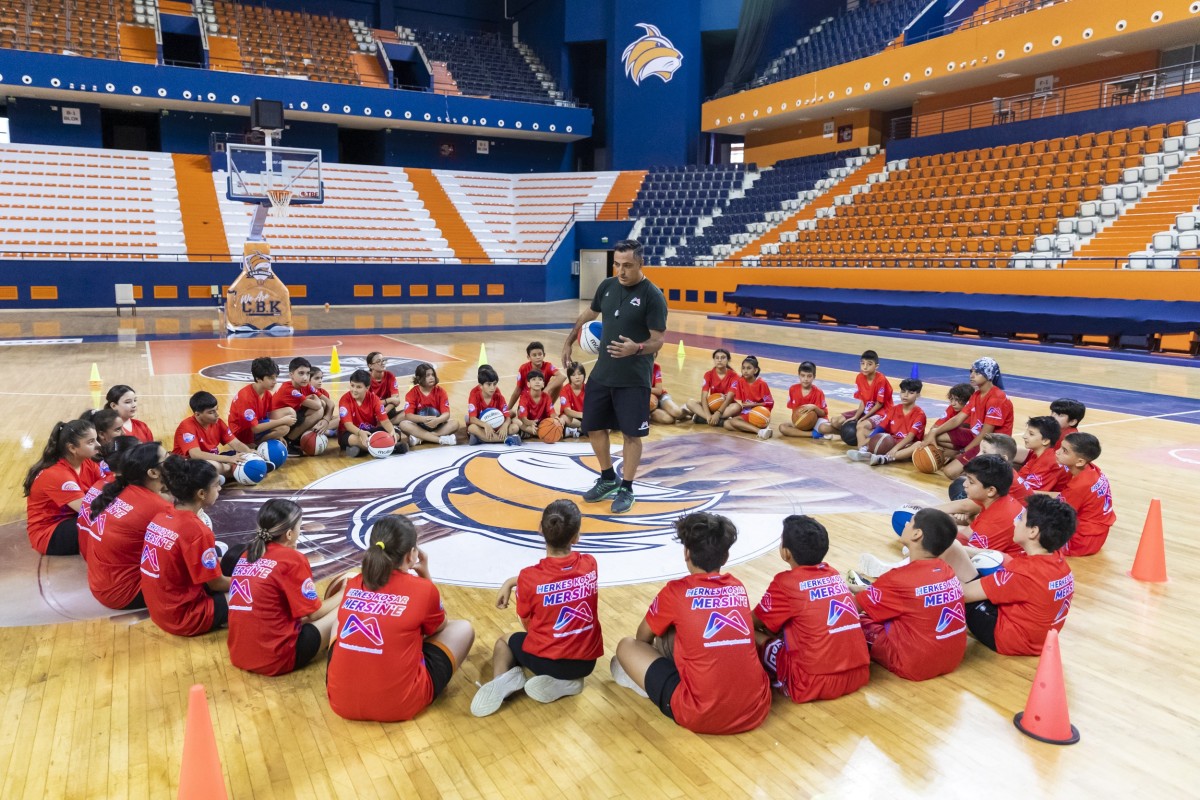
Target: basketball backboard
column 254, row 170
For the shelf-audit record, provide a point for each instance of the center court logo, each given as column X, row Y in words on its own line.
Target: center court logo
column 651, row 54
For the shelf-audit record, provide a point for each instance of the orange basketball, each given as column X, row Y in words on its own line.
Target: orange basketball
column 805, row 421
column 759, row 417
column 881, row 443
column 714, row 401
column 927, row 458
column 550, row 430
column 653, row 402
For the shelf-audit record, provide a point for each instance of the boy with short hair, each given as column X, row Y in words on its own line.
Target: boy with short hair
column 694, row 654
column 535, row 405
column 718, row 380
column 1088, row 491
column 874, row 394
column 1069, row 414
column 804, row 397
column 807, row 627
column 942, row 435
column 484, row 396
column 1012, row 610
column 552, row 380
column 204, row 434
column 360, row 414
column 913, row 615
column 1041, row 471
column 253, row 415
column 905, row 423
column 298, row 395
column 988, row 481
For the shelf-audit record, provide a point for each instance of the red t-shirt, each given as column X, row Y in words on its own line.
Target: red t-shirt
column 822, row 634
column 191, row 434
column 722, row 685
column 417, row 402
column 715, row 384
column 1091, row 497
column 292, row 396
column 1042, row 473
column 367, row 414
column 135, row 427
column 179, row 556
column 557, row 600
column 951, row 411
column 656, row 375
column 385, row 387
column 377, row 671
column 797, row 397
column 920, row 607
column 755, row 393
column 899, row 424
column 267, row 600
column 52, row 490
column 992, row 528
column 118, row 536
column 568, row 399
column 877, row 390
column 1064, row 434
column 247, row 410
column 83, row 522
column 476, row 404
column 535, row 412
column 1032, row 594
column 993, row 408
column 547, row 369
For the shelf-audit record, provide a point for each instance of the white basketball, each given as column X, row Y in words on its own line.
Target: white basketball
column 988, row 561
column 251, row 471
column 493, row 416
column 205, row 518
column 589, row 336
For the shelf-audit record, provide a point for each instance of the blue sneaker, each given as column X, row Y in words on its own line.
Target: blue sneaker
column 472, row 439
column 818, row 435
column 623, row 500
column 601, row 489
column 513, row 441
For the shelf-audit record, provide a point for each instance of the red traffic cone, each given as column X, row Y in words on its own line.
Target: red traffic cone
column 200, row 774
column 1150, row 563
column 1045, row 716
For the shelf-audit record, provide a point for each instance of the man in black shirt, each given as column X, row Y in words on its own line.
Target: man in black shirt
column 634, row 314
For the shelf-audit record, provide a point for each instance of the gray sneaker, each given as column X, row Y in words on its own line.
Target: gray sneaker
column 601, row 489
column 623, row 500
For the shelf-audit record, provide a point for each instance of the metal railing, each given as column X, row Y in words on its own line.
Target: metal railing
column 1137, row 87
column 153, row 257
column 919, row 261
column 977, row 19
column 587, row 212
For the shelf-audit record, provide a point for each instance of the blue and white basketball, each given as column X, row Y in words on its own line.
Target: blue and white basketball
column 988, row 561
column 250, row 472
column 274, row 451
column 902, row 515
column 493, row 416
column 589, row 336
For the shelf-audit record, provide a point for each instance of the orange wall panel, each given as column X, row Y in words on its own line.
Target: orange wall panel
column 808, row 138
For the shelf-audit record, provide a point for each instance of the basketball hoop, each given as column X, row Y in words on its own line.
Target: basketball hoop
column 280, row 199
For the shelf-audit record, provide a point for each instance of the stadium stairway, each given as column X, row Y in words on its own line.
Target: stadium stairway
column 137, row 44
column 445, row 215
column 203, row 228
column 775, row 235
column 370, row 72
column 623, row 192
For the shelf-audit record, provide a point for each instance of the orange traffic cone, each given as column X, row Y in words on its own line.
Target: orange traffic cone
column 1045, row 716
column 200, row 774
column 1150, row 563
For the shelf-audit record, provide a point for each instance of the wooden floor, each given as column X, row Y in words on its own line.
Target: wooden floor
column 95, row 708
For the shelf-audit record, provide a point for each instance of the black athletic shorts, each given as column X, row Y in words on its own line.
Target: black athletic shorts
column 565, row 669
column 611, row 408
column 65, row 539
column 981, row 621
column 438, row 664
column 220, row 610
column 662, row 679
column 307, row 645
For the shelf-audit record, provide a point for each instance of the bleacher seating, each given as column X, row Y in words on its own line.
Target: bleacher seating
column 485, row 65
column 81, row 27
column 672, row 201
column 775, row 191
column 60, row 201
column 517, row 218
column 848, row 36
column 274, row 42
column 369, row 213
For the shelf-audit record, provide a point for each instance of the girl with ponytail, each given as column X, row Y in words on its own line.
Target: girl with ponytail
column 120, row 515
column 123, row 399
column 109, row 459
column 180, row 570
column 395, row 650
column 55, row 486
column 276, row 622
column 560, row 654
column 109, row 426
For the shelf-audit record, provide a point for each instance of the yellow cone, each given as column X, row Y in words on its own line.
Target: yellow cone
column 96, row 399
column 482, row 354
column 95, row 376
column 94, row 385
column 680, row 354
column 335, row 366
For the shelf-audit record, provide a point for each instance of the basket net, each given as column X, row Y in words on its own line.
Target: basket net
column 280, row 199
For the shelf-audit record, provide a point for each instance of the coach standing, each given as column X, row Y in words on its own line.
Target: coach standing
column 634, row 314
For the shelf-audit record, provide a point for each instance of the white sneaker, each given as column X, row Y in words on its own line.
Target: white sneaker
column 622, row 677
column 491, row 695
column 575, row 433
column 447, row 439
column 413, row 441
column 764, row 434
column 877, row 460
column 858, row 455
column 545, row 689
column 872, row 567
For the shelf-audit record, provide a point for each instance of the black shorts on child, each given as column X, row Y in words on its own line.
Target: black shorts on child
column 662, row 679
column 565, row 669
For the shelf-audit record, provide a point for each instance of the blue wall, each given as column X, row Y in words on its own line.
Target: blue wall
column 35, row 121
column 586, row 20
column 424, row 149
column 188, row 132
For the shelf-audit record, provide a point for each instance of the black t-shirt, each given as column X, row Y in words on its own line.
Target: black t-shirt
column 632, row 312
